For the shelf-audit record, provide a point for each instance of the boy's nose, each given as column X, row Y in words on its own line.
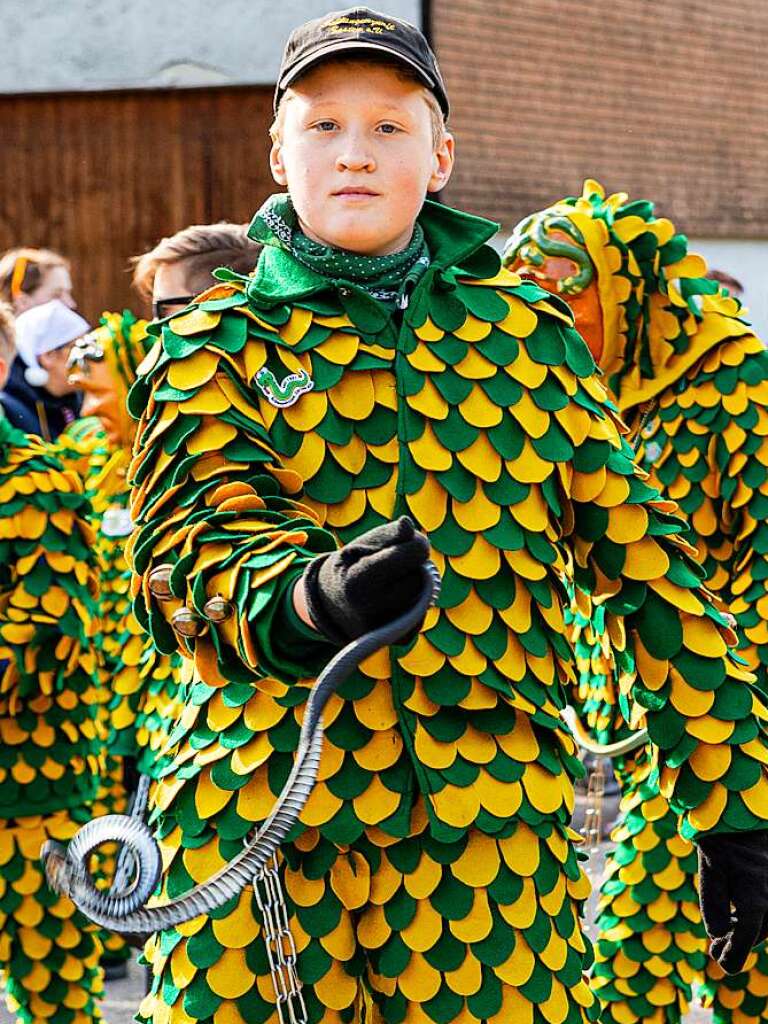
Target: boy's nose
column 355, row 157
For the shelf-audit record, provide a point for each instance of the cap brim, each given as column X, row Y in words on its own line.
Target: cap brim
column 350, row 46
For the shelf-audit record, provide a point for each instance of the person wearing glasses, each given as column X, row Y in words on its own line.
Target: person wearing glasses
column 182, row 265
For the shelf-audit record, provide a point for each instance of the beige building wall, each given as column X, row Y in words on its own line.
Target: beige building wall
column 667, row 101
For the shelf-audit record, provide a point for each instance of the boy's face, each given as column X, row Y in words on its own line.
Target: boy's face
column 357, row 155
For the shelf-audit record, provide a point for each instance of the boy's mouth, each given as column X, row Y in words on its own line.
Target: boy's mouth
column 355, row 192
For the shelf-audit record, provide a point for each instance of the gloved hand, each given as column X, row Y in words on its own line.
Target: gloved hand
column 368, row 582
column 733, row 890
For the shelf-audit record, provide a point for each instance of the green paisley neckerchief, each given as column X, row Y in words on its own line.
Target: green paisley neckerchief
column 383, row 277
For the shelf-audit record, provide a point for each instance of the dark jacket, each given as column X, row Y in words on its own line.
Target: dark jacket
column 35, row 410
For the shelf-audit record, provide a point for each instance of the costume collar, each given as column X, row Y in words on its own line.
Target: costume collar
column 452, row 236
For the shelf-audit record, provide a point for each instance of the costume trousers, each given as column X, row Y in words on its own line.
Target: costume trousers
column 49, row 953
column 651, row 949
column 399, row 930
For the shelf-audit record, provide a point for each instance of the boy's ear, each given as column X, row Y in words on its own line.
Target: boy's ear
column 443, row 164
column 276, row 163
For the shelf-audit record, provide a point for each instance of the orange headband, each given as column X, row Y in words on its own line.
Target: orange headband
column 19, row 273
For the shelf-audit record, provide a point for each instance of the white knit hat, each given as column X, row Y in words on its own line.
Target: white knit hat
column 42, row 329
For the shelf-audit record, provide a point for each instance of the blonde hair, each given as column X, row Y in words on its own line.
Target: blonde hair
column 202, row 248
column 23, row 270
column 7, row 333
column 436, row 115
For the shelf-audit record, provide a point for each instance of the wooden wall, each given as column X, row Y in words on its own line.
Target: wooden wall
column 666, row 101
column 102, row 177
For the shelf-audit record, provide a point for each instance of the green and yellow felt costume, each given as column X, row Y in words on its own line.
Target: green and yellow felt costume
column 691, row 378
column 434, row 870
column 50, row 735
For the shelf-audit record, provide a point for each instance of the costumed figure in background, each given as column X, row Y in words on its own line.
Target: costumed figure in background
column 140, row 685
column 380, row 362
column 691, row 380
column 37, row 397
column 50, row 740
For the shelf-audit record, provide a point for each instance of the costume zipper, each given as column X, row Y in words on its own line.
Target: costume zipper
column 401, row 505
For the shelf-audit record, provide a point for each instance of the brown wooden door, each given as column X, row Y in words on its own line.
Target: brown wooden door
column 102, row 177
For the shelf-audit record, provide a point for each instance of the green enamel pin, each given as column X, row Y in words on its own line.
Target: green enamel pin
column 285, row 392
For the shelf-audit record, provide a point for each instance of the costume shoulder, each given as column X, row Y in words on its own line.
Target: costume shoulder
column 544, row 405
column 46, row 546
column 226, row 366
column 520, row 308
column 32, row 470
column 714, row 426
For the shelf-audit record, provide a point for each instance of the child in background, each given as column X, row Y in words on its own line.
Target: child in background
column 182, row 265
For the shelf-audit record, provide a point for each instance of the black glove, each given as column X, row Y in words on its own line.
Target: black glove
column 733, row 890
column 368, row 582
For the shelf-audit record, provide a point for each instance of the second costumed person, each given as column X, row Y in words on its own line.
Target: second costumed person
column 691, row 380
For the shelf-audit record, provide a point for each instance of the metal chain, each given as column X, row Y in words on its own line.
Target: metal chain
column 281, row 949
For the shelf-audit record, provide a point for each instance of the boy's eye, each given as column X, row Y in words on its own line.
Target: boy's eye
column 388, row 129
column 324, row 126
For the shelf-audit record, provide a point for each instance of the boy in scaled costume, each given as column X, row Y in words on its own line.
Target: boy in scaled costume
column 50, row 739
column 379, row 363
column 691, row 378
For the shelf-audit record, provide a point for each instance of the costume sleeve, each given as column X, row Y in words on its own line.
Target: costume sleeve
column 711, row 448
column 671, row 640
column 212, row 500
column 49, row 680
column 47, row 603
column 595, row 692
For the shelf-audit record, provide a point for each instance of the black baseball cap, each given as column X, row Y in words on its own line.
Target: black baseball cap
column 359, row 29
